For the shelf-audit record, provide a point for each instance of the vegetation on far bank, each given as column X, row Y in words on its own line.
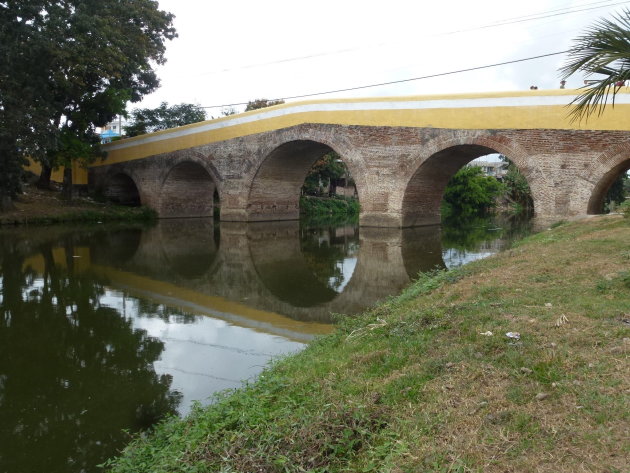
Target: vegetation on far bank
column 346, row 207
column 430, row 381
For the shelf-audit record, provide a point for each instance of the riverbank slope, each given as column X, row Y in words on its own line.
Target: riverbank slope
column 429, row 381
column 43, row 207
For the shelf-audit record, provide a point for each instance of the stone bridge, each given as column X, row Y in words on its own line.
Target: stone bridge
column 400, row 151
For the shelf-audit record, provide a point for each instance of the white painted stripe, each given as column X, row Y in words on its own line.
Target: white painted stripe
column 524, row 101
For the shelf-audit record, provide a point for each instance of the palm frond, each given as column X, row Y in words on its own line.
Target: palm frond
column 603, row 49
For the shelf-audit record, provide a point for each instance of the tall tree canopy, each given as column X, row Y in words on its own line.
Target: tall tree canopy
column 604, row 49
column 68, row 66
column 148, row 120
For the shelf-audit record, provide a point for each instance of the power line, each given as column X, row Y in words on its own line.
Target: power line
column 430, row 76
column 506, row 22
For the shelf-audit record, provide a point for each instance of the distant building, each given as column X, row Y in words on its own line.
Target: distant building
column 114, row 129
column 496, row 169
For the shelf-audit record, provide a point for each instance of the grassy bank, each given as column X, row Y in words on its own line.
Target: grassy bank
column 429, row 382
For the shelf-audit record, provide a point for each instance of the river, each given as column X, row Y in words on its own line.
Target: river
column 106, row 329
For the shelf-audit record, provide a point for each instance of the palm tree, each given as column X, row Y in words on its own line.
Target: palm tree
column 603, row 49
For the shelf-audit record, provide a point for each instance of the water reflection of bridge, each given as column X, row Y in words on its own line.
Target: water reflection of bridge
column 265, row 266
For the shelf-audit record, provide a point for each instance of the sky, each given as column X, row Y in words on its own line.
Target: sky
column 233, row 51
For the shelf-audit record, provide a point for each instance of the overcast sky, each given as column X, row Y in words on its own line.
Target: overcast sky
column 237, row 50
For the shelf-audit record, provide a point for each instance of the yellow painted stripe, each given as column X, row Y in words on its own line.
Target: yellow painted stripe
column 466, row 111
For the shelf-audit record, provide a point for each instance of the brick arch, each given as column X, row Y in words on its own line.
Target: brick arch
column 192, row 156
column 187, row 188
column 443, row 157
column 121, row 187
column 598, row 178
column 283, row 164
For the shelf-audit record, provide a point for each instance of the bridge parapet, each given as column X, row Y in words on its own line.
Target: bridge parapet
column 400, row 151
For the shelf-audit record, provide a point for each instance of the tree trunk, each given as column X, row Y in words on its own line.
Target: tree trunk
column 67, row 191
column 6, row 203
column 44, row 177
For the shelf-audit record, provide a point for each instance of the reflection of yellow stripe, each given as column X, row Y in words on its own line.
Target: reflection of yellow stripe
column 80, row 263
column 159, row 289
column 526, row 110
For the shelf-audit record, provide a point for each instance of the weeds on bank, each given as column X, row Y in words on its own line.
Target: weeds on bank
column 106, row 214
column 429, row 381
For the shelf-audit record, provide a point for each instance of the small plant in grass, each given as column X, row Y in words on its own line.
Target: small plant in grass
column 625, row 209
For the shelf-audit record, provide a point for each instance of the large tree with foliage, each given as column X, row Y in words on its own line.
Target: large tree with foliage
column 603, row 50
column 66, row 67
column 148, row 120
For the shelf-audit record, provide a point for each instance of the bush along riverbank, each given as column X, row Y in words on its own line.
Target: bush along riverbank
column 513, row 363
column 313, row 207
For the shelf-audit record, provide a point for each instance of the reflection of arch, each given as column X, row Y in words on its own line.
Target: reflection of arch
column 275, row 189
column 121, row 189
column 422, row 249
column 424, row 191
column 190, row 248
column 187, row 191
column 115, row 248
column 281, row 268
column 603, row 173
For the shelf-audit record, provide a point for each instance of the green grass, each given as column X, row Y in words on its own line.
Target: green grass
column 413, row 385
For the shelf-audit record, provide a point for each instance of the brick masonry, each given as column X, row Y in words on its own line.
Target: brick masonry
column 400, row 172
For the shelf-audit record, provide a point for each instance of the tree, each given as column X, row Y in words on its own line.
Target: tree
column 517, row 188
column 262, row 103
column 67, row 67
column 617, row 192
column 470, row 192
column 326, row 170
column 148, row 120
column 604, row 49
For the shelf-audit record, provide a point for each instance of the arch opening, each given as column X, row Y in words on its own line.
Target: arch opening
column 288, row 173
column 188, row 191
column 122, row 190
column 463, row 179
column 611, row 190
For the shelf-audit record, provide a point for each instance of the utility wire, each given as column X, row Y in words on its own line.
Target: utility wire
column 506, row 22
column 430, row 76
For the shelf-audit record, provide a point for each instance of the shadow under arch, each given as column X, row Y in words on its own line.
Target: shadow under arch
column 600, row 190
column 275, row 189
column 425, row 189
column 187, row 191
column 121, row 189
